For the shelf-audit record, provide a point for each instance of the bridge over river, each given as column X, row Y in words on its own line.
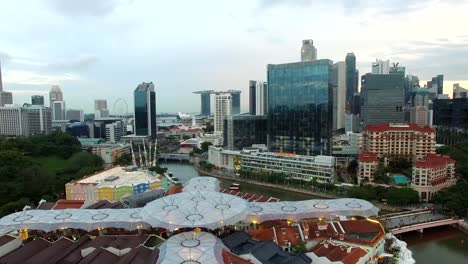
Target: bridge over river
column 419, row 220
column 182, row 157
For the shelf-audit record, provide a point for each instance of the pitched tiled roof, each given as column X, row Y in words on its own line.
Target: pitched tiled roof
column 68, row 204
column 338, row 253
column 433, row 161
column 230, row 258
column 367, row 157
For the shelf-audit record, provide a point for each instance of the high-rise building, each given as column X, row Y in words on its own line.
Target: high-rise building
column 356, row 106
column 244, row 130
column 381, row 67
column 383, row 98
column 300, row 107
column 451, row 113
column 145, row 110
column 339, row 95
column 205, row 96
column 58, row 110
column 258, row 97
column 437, row 84
column 25, row 121
column 459, row 92
column 236, row 99
column 74, row 114
column 6, row 98
column 55, row 94
column 352, row 79
column 37, row 100
column 100, row 109
column 420, row 112
column 308, row 51
column 223, row 109
column 115, row 131
column 412, row 84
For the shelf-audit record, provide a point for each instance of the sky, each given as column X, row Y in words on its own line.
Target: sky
column 102, row 49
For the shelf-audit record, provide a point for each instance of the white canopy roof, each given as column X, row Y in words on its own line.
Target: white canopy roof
column 191, row 247
column 195, row 209
column 198, row 206
column 202, row 184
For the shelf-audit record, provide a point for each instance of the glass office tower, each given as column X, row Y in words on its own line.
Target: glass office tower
column 145, row 110
column 300, row 107
column 235, row 102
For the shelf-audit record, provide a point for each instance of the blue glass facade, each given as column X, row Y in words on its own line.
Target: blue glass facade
column 235, row 103
column 205, row 104
column 300, row 107
column 145, row 110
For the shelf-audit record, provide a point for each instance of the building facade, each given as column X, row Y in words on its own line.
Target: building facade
column 459, row 92
column 381, row 67
column 308, row 51
column 408, row 141
column 300, row 107
column 223, row 109
column 383, row 98
column 258, row 96
column 451, row 113
column 420, row 111
column 25, row 121
column 74, row 114
column 115, row 131
column 431, row 174
column 145, row 110
column 236, row 102
column 244, row 130
column 352, row 79
column 37, row 100
column 6, row 98
column 339, row 95
column 307, row 168
column 100, row 109
column 55, row 94
column 368, row 163
column 58, row 110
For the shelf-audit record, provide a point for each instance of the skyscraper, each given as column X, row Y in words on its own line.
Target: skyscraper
column 235, row 96
column 339, row 95
column 381, row 67
column 383, row 98
column 308, row 51
column 58, row 110
column 205, row 107
column 55, row 94
column 145, row 110
column 223, row 109
column 100, row 109
column 244, row 130
column 352, row 79
column 257, row 97
column 459, row 92
column 37, row 100
column 300, row 107
column 6, row 98
column 74, row 114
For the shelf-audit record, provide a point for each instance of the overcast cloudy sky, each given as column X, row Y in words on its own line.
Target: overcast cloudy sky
column 104, row 48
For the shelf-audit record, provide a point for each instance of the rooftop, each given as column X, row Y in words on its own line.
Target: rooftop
column 397, row 127
column 367, row 157
column 433, row 161
column 117, row 176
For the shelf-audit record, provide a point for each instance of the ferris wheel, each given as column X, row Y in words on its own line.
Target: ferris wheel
column 120, row 108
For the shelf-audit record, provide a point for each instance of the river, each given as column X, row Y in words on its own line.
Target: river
column 437, row 245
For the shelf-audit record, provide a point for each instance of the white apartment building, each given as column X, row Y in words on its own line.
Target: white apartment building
column 223, row 109
column 25, row 121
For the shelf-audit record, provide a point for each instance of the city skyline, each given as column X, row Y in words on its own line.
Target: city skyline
column 87, row 47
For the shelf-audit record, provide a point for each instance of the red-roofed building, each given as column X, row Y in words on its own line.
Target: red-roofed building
column 68, row 204
column 431, row 174
column 173, row 190
column 329, row 252
column 368, row 162
column 408, row 141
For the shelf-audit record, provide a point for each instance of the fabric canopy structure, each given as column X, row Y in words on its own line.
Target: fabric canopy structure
column 200, row 205
column 202, row 183
column 195, row 209
column 295, row 211
column 190, row 247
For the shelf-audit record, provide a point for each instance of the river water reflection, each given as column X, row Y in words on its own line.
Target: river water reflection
column 440, row 245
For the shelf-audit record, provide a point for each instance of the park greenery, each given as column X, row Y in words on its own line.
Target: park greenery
column 454, row 198
column 459, row 153
column 37, row 167
column 203, row 148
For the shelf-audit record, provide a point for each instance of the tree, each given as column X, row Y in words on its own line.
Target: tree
column 124, row 160
column 209, row 128
column 380, row 174
column 402, row 196
column 204, row 146
column 300, row 247
column 158, row 170
column 454, row 198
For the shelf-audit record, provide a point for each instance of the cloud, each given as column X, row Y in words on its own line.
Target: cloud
column 85, row 7
column 35, row 78
column 81, row 63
